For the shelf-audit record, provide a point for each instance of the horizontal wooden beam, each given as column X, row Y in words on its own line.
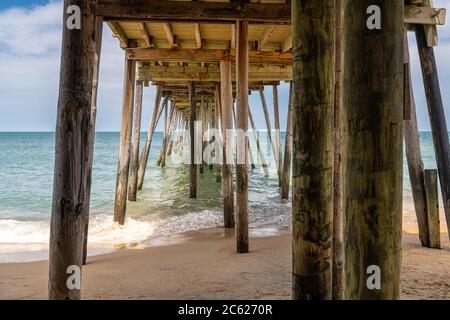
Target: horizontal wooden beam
column 211, row 73
column 206, row 55
column 119, row 34
column 163, row 10
column 422, row 15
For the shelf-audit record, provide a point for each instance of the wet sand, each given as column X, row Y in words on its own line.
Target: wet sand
column 204, row 266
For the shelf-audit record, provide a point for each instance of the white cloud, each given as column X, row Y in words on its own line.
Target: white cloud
column 30, row 46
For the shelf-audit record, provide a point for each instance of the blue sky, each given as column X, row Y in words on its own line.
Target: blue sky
column 29, row 71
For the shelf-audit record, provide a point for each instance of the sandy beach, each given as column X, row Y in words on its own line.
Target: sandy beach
column 203, row 265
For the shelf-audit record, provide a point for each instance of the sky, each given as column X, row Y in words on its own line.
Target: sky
column 29, row 72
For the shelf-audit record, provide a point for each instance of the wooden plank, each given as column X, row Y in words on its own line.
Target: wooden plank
column 287, row 44
column 437, row 116
column 198, row 35
column 72, row 138
column 163, row 10
column 206, row 55
column 432, row 197
column 423, row 15
column 268, row 32
column 119, row 34
column 135, row 140
column 373, row 151
column 312, row 184
column 226, row 91
column 242, row 245
column 169, row 35
column 149, row 41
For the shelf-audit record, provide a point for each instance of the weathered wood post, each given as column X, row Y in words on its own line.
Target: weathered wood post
column 312, row 184
column 218, row 150
column 163, row 144
column 242, row 140
column 286, row 173
column 202, row 131
column 437, row 117
column 413, row 155
column 338, row 246
column 96, row 71
column 227, row 145
column 431, row 190
column 148, row 143
column 192, row 119
column 277, row 138
column 258, row 146
column 72, row 148
column 135, row 140
column 269, row 130
column 372, row 111
column 125, row 142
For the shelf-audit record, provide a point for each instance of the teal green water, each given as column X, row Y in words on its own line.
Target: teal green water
column 163, row 207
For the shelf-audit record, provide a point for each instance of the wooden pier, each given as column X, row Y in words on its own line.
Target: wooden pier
column 350, row 106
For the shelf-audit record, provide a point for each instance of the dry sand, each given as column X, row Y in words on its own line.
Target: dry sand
column 204, row 266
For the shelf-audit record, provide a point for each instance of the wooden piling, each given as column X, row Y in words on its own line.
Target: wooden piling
column 258, row 145
column 437, row 117
column 98, row 49
column 372, row 111
column 277, row 138
column 431, row 189
column 286, row 173
column 312, row 184
column 218, row 151
column 242, row 143
column 413, row 155
column 148, row 143
column 125, row 142
column 227, row 145
column 135, row 140
column 338, row 245
column 192, row 119
column 72, row 148
column 269, row 131
column 202, row 132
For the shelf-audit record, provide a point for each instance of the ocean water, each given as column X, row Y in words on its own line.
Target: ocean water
column 163, row 207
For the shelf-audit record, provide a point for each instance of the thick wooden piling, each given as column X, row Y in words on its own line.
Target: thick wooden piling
column 286, row 172
column 338, row 245
column 242, row 142
column 414, row 157
column 437, row 117
column 372, row 111
column 125, row 142
column 98, row 49
column 72, row 151
column 312, row 196
column 135, row 140
column 431, row 189
column 192, row 119
column 226, row 105
column 148, row 143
